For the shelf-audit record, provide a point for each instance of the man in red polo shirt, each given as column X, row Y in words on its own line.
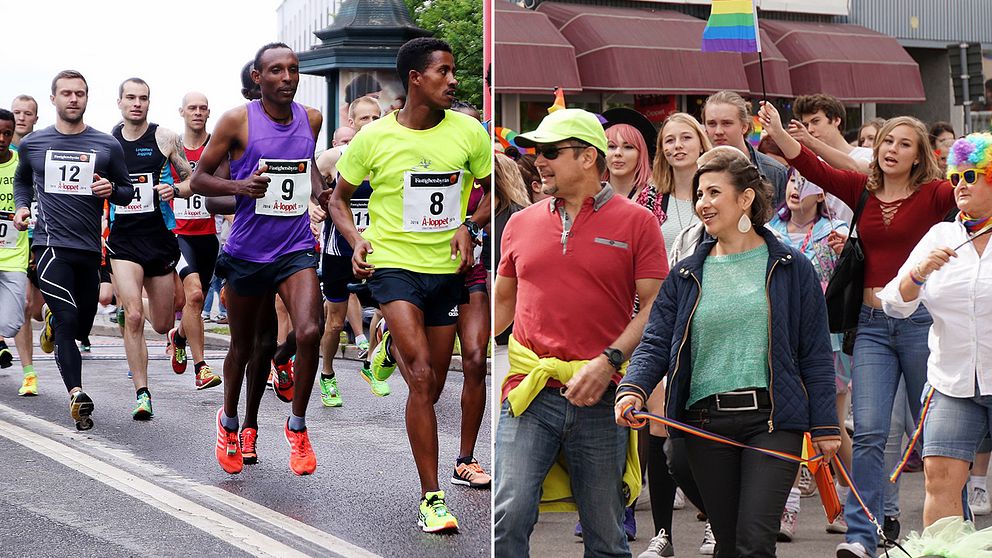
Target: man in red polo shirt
column 570, row 270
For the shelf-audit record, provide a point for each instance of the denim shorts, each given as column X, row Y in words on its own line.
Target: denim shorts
column 954, row 426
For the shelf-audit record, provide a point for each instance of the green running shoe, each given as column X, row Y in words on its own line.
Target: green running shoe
column 379, row 387
column 434, row 514
column 329, row 394
column 382, row 363
column 143, row 411
column 47, row 340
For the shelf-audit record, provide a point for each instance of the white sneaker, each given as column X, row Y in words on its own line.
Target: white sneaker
column 807, row 486
column 852, row 550
column 787, row 526
column 659, row 547
column 679, row 499
column 978, row 501
column 839, row 525
column 709, row 541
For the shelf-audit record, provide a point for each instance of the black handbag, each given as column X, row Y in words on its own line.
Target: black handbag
column 845, row 291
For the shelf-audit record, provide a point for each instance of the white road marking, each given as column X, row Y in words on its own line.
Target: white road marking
column 199, row 516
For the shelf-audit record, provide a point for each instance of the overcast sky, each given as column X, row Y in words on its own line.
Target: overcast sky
column 176, row 46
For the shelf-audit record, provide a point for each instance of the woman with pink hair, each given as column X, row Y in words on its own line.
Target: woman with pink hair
column 628, row 164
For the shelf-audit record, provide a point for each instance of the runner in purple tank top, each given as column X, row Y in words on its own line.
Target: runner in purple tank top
column 270, row 143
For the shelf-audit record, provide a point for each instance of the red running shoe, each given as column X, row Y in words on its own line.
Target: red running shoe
column 178, row 354
column 282, row 382
column 302, row 460
column 228, row 448
column 248, row 437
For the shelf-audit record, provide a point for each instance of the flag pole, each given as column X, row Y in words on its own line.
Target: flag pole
column 761, row 68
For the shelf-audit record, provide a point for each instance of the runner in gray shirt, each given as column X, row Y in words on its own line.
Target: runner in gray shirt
column 70, row 169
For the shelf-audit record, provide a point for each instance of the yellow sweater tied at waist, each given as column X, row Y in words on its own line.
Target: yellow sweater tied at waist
column 557, row 492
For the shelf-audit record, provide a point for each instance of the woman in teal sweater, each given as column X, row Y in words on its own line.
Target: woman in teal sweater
column 740, row 331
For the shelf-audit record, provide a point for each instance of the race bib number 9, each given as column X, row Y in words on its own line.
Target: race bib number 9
column 432, row 201
column 193, row 207
column 8, row 234
column 360, row 212
column 144, row 196
column 289, row 188
column 69, row 172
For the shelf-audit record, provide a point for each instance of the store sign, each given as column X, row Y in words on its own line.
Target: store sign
column 655, row 107
column 823, row 7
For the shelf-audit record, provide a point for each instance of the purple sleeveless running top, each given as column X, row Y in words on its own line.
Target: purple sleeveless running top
column 263, row 238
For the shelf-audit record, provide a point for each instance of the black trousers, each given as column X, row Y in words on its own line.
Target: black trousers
column 744, row 491
column 69, row 281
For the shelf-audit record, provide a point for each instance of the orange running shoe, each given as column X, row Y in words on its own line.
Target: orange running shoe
column 228, row 448
column 282, row 381
column 302, row 461
column 248, row 437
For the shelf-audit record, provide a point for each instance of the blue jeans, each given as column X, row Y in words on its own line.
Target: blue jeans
column 885, row 349
column 903, row 423
column 594, row 450
column 208, row 303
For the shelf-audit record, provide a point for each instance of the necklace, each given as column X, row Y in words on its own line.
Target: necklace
column 286, row 120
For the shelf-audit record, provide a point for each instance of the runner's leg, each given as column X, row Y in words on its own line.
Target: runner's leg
column 262, row 344
column 301, row 294
column 128, row 278
column 473, row 334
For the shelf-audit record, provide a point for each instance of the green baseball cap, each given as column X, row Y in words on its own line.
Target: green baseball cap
column 564, row 124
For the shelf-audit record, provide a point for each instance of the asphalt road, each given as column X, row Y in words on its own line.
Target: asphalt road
column 553, row 535
column 154, row 489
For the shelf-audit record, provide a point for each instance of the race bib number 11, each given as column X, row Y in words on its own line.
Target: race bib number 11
column 432, row 201
column 69, row 172
column 289, row 188
column 8, row 234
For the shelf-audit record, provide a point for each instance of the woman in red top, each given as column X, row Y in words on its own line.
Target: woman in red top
column 906, row 197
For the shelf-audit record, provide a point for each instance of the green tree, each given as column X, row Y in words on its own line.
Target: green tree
column 459, row 23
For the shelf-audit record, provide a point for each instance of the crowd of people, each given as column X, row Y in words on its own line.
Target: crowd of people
column 391, row 216
column 681, row 272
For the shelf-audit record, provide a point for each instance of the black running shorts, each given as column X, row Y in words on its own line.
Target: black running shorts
column 437, row 295
column 256, row 279
column 198, row 254
column 157, row 254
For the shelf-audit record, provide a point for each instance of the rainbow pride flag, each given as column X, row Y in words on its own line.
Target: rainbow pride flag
column 732, row 27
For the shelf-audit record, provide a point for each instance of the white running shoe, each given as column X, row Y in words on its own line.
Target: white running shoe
column 852, row 550
column 978, row 500
column 709, row 541
column 679, row 499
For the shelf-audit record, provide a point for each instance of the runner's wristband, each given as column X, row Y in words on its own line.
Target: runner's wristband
column 915, row 280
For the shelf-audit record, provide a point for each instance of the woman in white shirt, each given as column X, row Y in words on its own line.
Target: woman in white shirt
column 950, row 272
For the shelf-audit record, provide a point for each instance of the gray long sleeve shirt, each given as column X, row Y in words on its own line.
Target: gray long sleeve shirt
column 54, row 165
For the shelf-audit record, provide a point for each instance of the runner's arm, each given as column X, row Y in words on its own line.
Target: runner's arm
column 205, row 179
column 339, row 209
column 221, row 205
column 170, row 143
column 23, row 181
column 316, row 180
column 122, row 192
column 483, row 213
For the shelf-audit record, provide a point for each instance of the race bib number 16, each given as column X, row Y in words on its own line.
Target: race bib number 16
column 432, row 201
column 69, row 172
column 289, row 188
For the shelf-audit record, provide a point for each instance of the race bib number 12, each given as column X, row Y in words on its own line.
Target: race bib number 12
column 432, row 201
column 8, row 234
column 289, row 188
column 144, row 196
column 69, row 172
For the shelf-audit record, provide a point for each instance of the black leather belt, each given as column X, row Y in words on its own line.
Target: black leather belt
column 744, row 400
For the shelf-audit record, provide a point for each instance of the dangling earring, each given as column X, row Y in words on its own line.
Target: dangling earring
column 744, row 224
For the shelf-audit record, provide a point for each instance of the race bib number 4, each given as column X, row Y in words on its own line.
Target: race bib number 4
column 432, row 201
column 289, row 188
column 8, row 234
column 69, row 172
column 360, row 211
column 144, row 196
column 193, row 207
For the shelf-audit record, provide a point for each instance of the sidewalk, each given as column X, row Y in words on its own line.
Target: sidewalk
column 217, row 337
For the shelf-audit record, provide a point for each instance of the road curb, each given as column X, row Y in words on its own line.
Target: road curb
column 216, row 341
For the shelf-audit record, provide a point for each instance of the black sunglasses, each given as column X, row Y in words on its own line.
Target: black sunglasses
column 551, row 152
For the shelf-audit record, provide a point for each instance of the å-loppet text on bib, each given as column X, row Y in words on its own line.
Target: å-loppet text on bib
column 69, row 172
column 289, row 188
column 8, row 234
column 193, row 207
column 432, row 201
column 144, row 196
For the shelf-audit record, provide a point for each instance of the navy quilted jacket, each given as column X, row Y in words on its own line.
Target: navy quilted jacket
column 800, row 360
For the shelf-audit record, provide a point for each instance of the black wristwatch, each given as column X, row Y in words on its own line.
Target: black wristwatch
column 615, row 356
column 473, row 228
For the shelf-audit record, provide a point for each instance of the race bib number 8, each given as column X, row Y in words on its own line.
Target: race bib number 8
column 144, row 196
column 432, row 201
column 8, row 234
column 69, row 172
column 289, row 188
column 193, row 207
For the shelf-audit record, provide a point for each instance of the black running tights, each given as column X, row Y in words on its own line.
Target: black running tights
column 661, row 485
column 69, row 281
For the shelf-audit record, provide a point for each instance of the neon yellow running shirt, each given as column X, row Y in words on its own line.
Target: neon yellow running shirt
column 13, row 244
column 421, row 181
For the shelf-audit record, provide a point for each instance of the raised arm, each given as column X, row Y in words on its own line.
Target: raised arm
column 224, row 141
column 171, row 145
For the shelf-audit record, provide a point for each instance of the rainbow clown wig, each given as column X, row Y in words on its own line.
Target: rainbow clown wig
column 973, row 151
